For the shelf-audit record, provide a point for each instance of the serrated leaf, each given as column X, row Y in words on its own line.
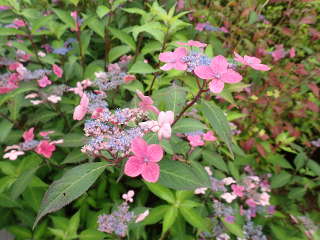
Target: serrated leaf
column 280, row 180
column 118, row 51
column 141, row 67
column 10, row 31
column 169, row 218
column 192, row 217
column 215, row 159
column 189, row 125
column 218, row 122
column 233, row 228
column 65, row 16
column 91, row 234
column 155, row 215
column 102, row 11
column 72, row 185
column 181, row 176
column 123, row 37
column 161, row 191
column 75, row 156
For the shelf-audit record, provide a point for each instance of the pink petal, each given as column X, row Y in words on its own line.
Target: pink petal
column 164, row 131
column 216, row 86
column 251, row 60
column 154, row 152
column 260, row 67
column 238, row 58
column 167, row 67
column 180, row 52
column 167, row 57
column 204, row 72
column 231, row 76
column 151, row 172
column 219, row 64
column 134, row 166
column 180, row 66
column 79, row 113
column 139, row 147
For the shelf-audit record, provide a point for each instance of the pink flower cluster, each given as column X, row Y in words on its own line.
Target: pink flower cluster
column 43, row 147
column 198, row 139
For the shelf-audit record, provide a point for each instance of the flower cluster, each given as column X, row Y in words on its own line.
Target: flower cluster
column 44, row 147
column 52, row 94
column 216, row 71
column 197, row 138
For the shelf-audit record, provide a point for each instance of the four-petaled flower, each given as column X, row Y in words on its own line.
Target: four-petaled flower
column 57, row 70
column 253, row 62
column 146, row 103
column 45, row 148
column 165, row 120
column 219, row 73
column 28, row 135
column 81, row 110
column 173, row 60
column 44, row 81
column 144, row 161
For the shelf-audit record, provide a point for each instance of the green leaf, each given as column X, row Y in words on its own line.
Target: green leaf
column 141, row 67
column 75, row 156
column 280, row 180
column 134, row 10
column 72, row 185
column 171, row 98
column 233, row 228
column 73, row 225
column 65, row 16
column 153, row 28
column 155, row 215
column 218, row 122
column 314, row 166
column 296, row 193
column 215, row 159
column 102, row 11
column 20, row 232
column 180, row 176
column 118, row 51
column 5, row 127
column 161, row 191
column 91, row 234
column 278, row 160
column 95, row 24
column 7, row 202
column 192, row 217
column 169, row 218
column 123, row 37
column 300, row 160
column 15, row 106
column 22, row 182
column 73, row 140
column 188, row 125
column 10, row 31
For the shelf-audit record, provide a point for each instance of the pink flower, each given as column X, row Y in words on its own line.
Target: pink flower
column 208, row 170
column 195, row 140
column 45, row 133
column 54, row 98
column 253, row 62
column 31, row 96
column 251, row 203
column 57, row 70
column 264, row 199
column 13, row 154
column 237, row 190
column 200, row 26
column 279, row 53
column 19, row 23
column 28, row 135
column 128, row 197
column 44, row 81
column 201, row 190
column 292, row 52
column 81, row 110
column 146, row 103
column 180, row 4
column 193, row 43
column 36, row 102
column 114, row 68
column 144, row 161
column 229, row 197
column 165, row 119
column 219, row 73
column 78, row 89
column 142, row 216
column 129, row 78
column 209, row 136
column 173, row 59
column 45, row 148
column 229, row 180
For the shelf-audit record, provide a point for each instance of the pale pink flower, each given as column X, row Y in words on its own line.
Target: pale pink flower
column 150, row 125
column 28, row 135
column 14, row 66
column 219, row 73
column 114, row 68
column 251, row 203
column 193, row 43
column 19, row 23
column 165, row 119
column 195, row 140
column 146, row 103
column 44, row 81
column 36, row 102
column 74, row 15
column 209, row 136
column 57, row 70
column 252, row 62
column 16, row 147
column 13, row 154
column 31, row 96
column 78, row 89
column 81, row 110
column 128, row 197
column 264, row 199
column 129, row 78
column 200, row 26
column 59, row 141
column 173, row 60
column 292, row 52
column 45, row 133
column 229, row 197
column 142, row 216
column 237, row 190
column 45, row 148
column 229, row 180
column 208, row 170
column 180, row 4
column 144, row 161
column 279, row 53
column 41, row 54
column 201, row 190
column 86, row 83
column 54, row 98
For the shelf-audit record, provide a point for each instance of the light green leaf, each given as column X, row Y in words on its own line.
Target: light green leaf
column 5, row 127
column 74, row 157
column 102, row 11
column 118, row 51
column 73, row 140
column 169, row 218
column 188, row 125
column 95, row 24
column 153, row 28
column 123, row 37
column 280, row 180
column 218, row 122
column 233, row 228
column 91, row 234
column 181, row 176
column 161, row 191
column 215, row 159
column 72, row 185
column 141, row 67
column 155, row 215
column 192, row 217
column 65, row 16
column 10, row 31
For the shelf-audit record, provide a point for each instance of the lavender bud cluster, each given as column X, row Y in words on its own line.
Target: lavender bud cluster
column 195, row 59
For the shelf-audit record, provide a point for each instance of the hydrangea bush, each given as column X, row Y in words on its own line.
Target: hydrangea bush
column 159, row 119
